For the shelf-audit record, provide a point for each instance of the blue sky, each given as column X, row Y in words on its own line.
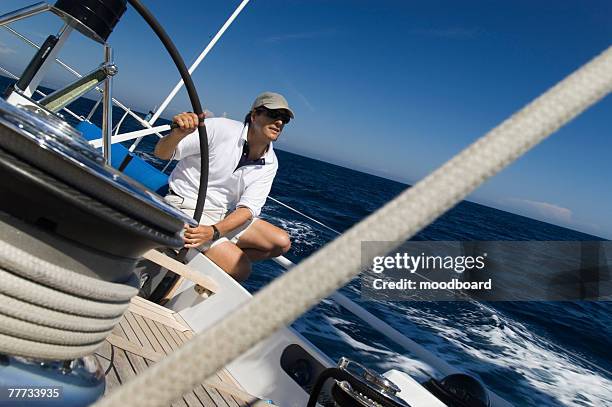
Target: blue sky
column 393, row 88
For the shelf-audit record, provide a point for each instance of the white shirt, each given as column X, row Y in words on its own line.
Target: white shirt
column 228, row 187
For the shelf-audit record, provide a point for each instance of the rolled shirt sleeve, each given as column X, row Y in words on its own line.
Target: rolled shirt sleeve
column 190, row 145
column 255, row 195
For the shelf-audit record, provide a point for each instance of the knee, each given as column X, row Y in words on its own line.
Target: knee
column 283, row 243
column 242, row 270
column 231, row 259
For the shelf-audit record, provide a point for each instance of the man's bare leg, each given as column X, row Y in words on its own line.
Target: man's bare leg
column 260, row 241
column 263, row 240
column 231, row 259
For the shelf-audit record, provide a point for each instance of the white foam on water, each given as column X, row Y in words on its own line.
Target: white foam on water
column 301, row 233
column 508, row 344
column 480, row 343
column 387, row 359
column 543, row 366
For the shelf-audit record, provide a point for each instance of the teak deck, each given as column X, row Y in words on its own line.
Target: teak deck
column 145, row 335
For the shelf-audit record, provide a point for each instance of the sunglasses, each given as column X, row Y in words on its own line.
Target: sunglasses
column 277, row 114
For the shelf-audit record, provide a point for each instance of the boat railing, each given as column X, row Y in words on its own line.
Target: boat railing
column 382, row 327
column 74, row 72
column 13, row 76
column 146, row 124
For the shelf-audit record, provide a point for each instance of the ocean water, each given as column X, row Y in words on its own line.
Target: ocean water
column 530, row 353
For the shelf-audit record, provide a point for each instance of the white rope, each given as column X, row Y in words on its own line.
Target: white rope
column 36, row 293
column 46, row 273
column 47, row 317
column 48, row 311
column 35, row 332
column 388, row 331
column 42, row 340
column 118, row 126
column 12, row 345
column 315, row 278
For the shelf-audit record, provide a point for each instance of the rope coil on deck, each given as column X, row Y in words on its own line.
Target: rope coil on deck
column 286, row 298
column 51, row 312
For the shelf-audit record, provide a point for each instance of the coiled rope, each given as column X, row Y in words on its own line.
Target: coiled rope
column 51, row 312
column 286, row 298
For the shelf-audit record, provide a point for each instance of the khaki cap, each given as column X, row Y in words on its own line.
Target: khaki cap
column 273, row 101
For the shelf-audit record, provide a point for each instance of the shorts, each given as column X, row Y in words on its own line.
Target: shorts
column 210, row 216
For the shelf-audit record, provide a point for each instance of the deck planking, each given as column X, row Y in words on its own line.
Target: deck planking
column 154, row 331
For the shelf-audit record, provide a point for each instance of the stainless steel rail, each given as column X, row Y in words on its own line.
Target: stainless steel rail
column 107, row 112
column 25, row 12
column 13, row 76
column 67, row 67
column 381, row 326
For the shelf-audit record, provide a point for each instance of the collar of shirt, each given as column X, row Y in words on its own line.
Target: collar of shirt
column 268, row 157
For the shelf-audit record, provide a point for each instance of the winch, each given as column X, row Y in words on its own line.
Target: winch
column 71, row 226
column 356, row 385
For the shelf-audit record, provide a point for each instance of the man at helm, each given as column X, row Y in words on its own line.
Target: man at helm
column 242, row 166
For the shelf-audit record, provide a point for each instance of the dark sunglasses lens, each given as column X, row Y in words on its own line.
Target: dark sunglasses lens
column 278, row 114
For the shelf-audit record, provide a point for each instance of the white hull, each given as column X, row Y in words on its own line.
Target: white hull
column 259, row 370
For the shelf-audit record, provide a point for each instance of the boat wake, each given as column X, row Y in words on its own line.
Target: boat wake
column 522, row 367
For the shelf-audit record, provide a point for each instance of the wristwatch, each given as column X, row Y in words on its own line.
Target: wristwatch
column 216, row 234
